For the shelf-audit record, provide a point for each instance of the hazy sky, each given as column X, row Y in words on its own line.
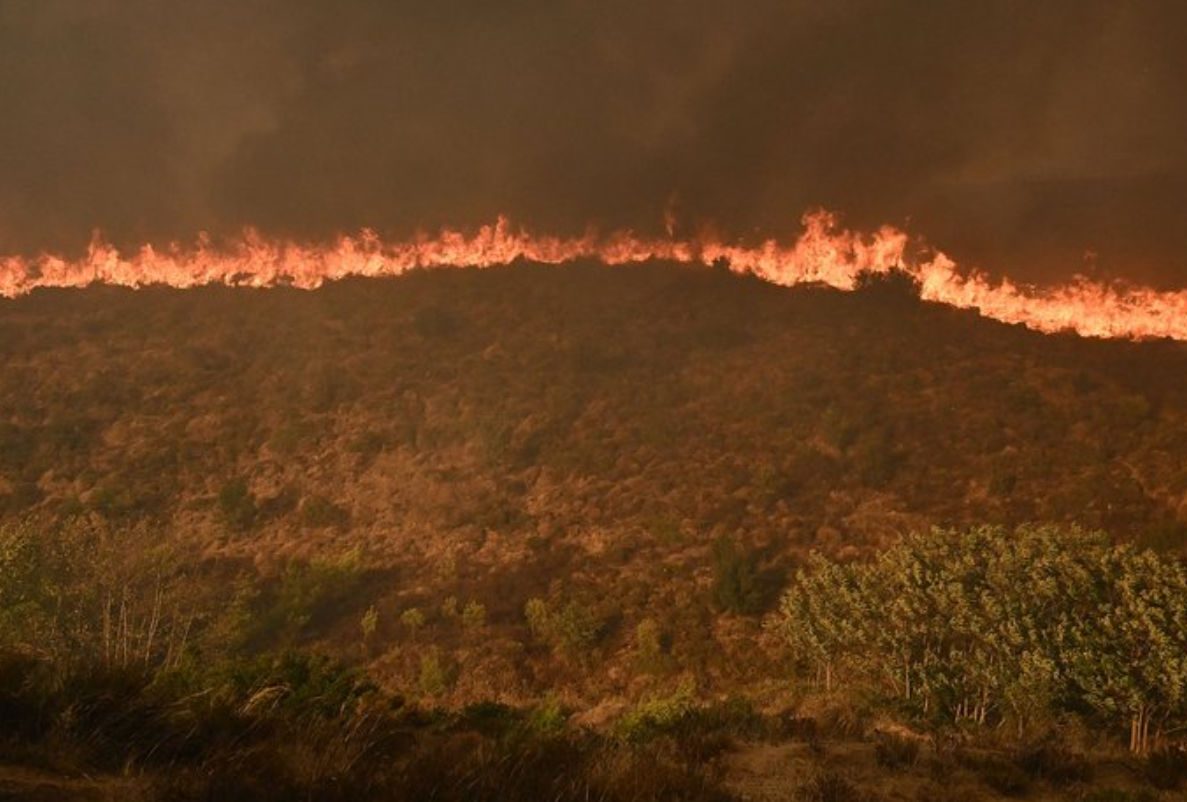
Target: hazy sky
column 1015, row 135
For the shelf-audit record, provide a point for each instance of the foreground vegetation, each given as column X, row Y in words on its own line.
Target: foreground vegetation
column 126, row 659
column 988, row 627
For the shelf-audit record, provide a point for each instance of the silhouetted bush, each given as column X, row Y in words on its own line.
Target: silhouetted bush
column 895, row 752
column 1054, row 763
column 319, row 511
column 1003, row 776
column 237, row 504
column 828, row 786
column 1166, row 768
column 1119, row 795
column 895, row 285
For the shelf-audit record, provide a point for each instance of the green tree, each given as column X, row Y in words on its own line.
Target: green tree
column 988, row 625
column 1129, row 649
column 821, row 615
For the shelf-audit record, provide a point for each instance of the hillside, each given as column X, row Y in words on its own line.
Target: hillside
column 572, row 433
column 545, row 532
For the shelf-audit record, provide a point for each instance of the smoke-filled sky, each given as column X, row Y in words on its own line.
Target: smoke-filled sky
column 1035, row 139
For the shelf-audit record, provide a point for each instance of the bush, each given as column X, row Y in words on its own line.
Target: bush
column 1053, row 763
column 573, row 630
column 319, row 512
column 296, row 682
column 576, row 628
column 737, row 587
column 896, row 752
column 412, row 619
column 237, row 505
column 1001, row 775
column 895, row 285
column 1166, row 769
column 308, row 593
column 25, row 684
column 369, row 623
column 547, row 718
column 1119, row 795
column 649, row 646
column 538, row 617
column 436, row 675
column 658, row 715
column 828, row 786
column 492, row 719
column 474, row 615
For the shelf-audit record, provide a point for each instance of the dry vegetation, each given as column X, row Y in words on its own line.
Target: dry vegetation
column 577, row 490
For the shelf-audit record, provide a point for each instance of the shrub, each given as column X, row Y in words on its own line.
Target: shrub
column 649, row 646
column 1053, row 763
column 237, row 504
column 1166, row 769
column 297, row 682
column 1119, row 795
column 537, row 615
column 307, row 592
column 736, row 716
column 492, row 719
column 1002, row 776
column 369, row 622
column 367, row 445
column 576, row 628
column 474, row 615
column 436, row 675
column 736, row 583
column 896, row 752
column 24, row 688
column 319, row 512
column 828, row 786
column 658, row 715
column 893, row 286
column 412, row 619
column 547, row 718
column 573, row 630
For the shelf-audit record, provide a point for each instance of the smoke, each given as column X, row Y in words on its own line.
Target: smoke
column 1015, row 135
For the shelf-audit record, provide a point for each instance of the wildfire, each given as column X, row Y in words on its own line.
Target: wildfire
column 824, row 253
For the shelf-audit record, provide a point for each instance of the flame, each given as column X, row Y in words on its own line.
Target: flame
column 824, row 253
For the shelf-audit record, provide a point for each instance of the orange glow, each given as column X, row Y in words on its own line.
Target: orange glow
column 824, row 253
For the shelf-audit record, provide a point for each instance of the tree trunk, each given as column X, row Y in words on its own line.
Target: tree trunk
column 1139, row 731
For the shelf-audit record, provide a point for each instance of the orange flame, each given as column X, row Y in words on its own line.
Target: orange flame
column 824, row 254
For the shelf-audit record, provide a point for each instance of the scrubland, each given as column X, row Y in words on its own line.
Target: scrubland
column 584, row 533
